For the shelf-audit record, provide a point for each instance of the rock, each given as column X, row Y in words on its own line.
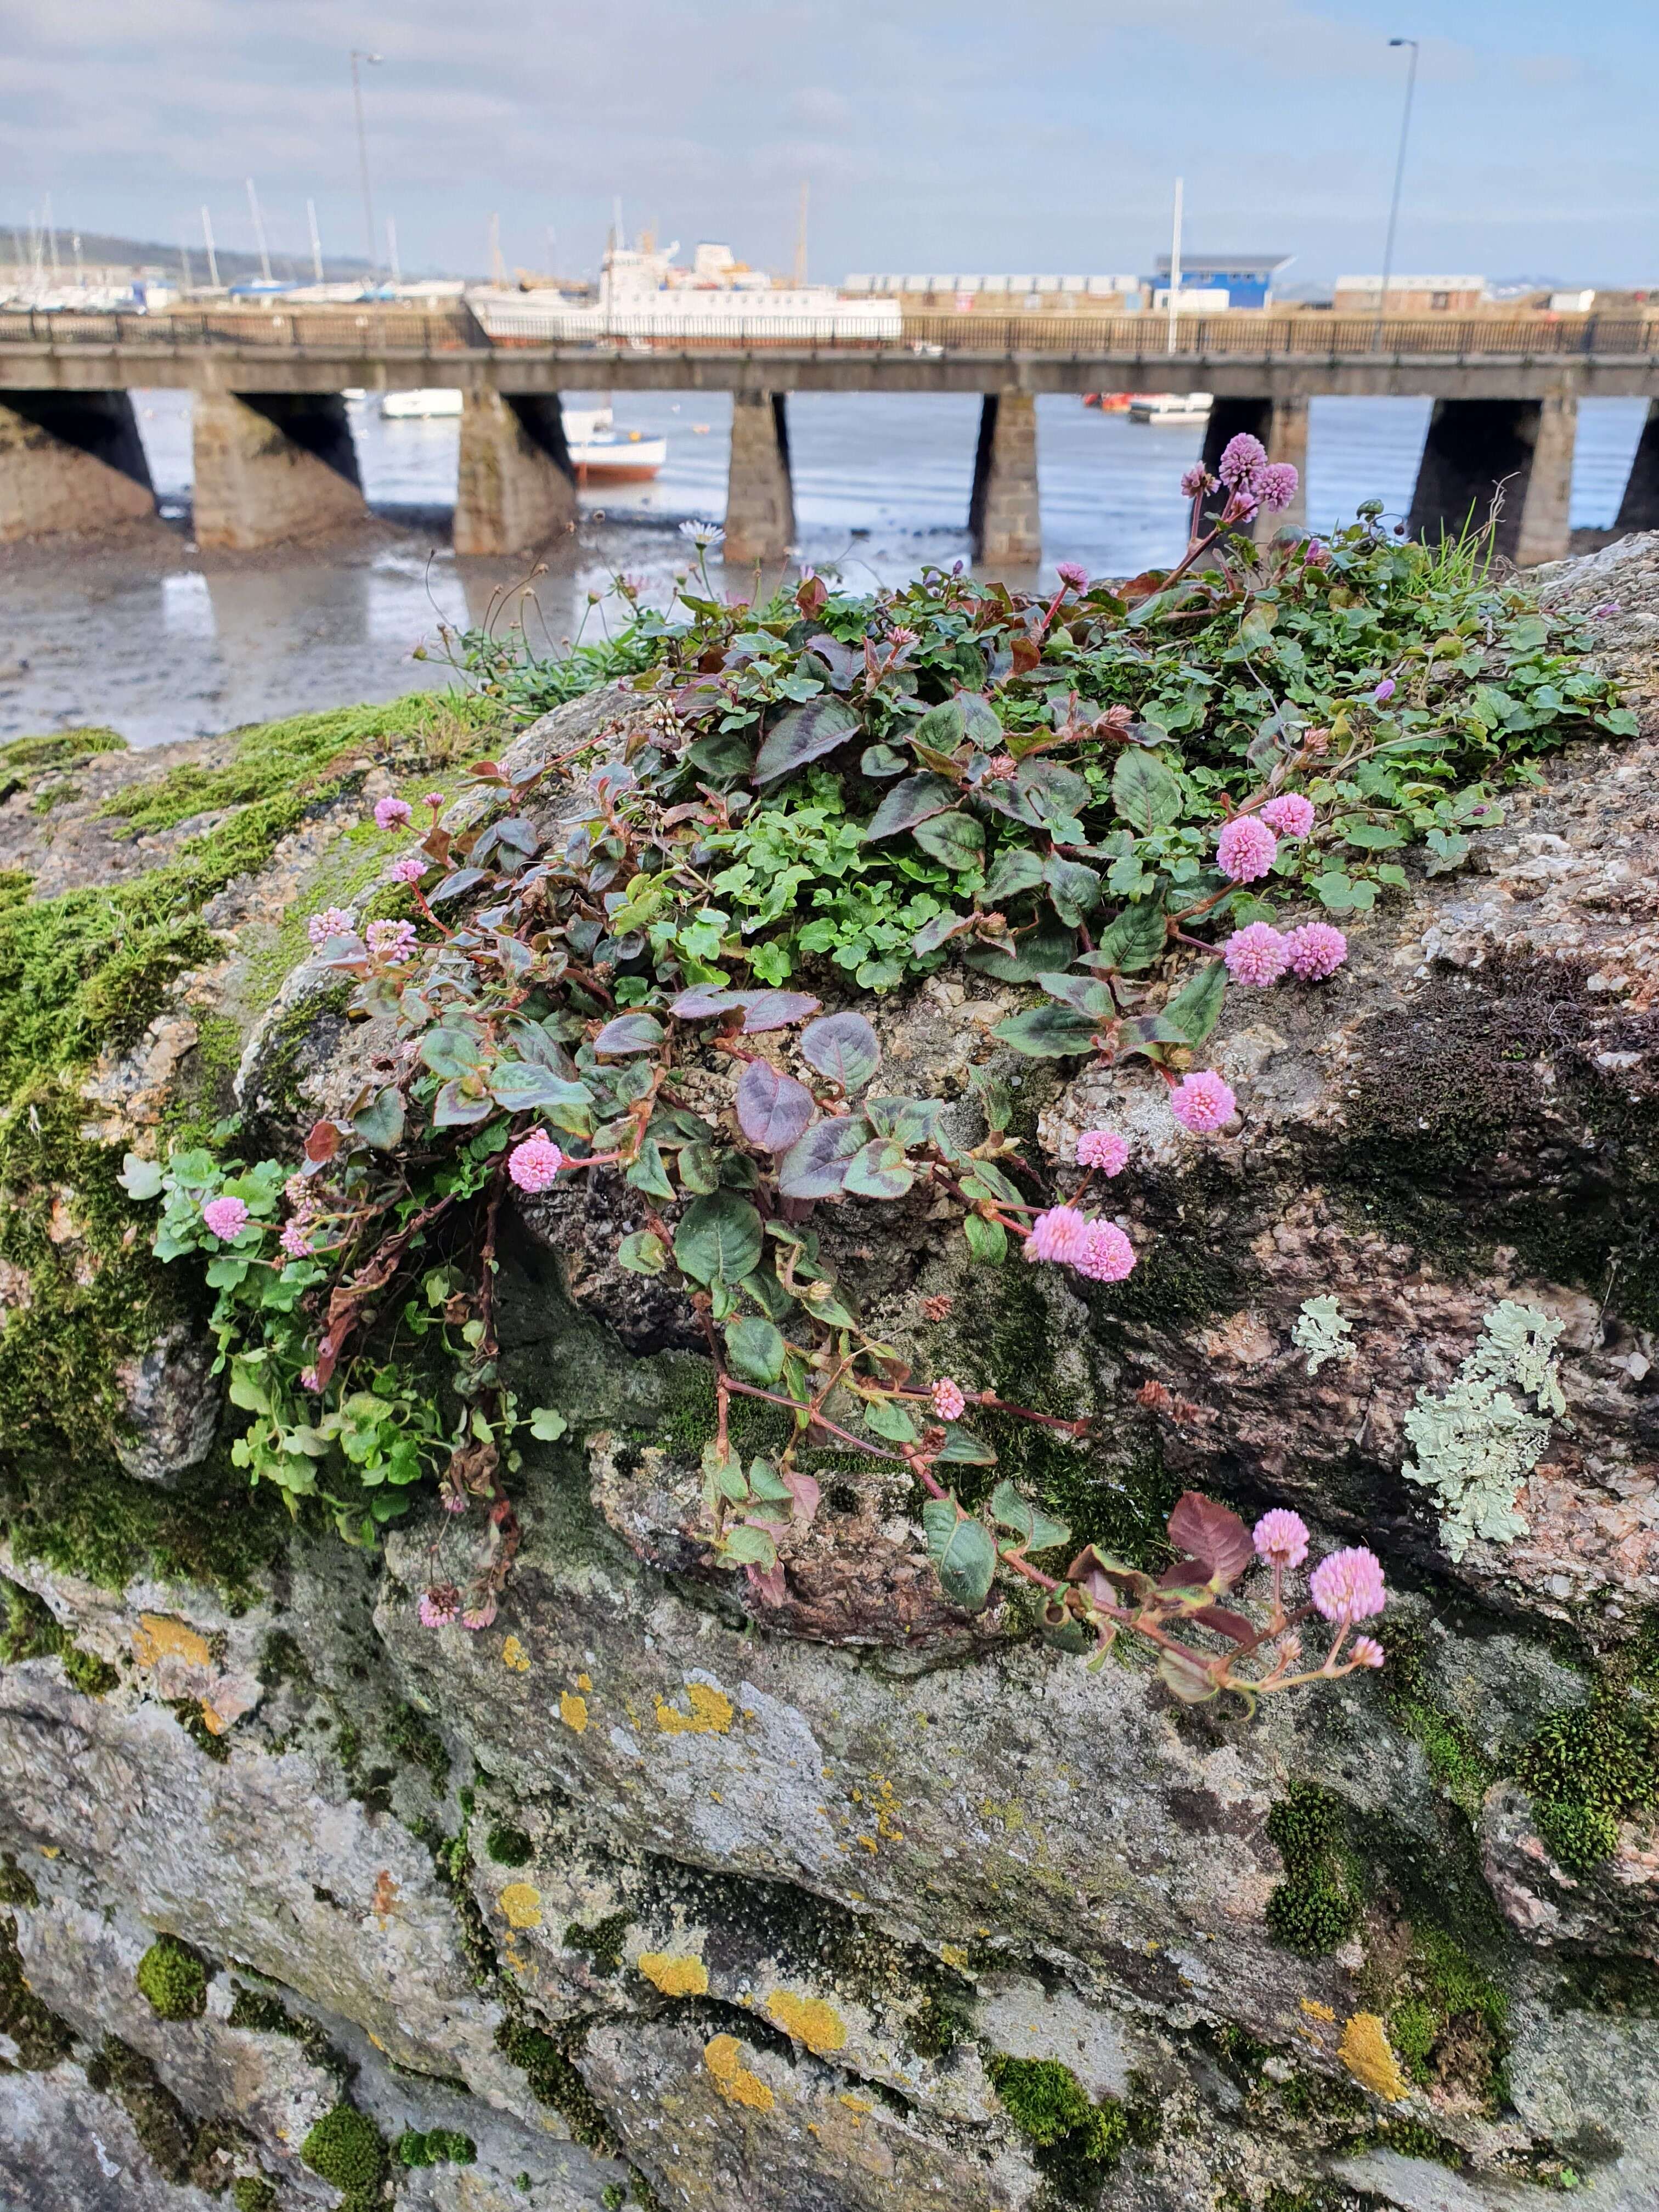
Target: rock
column 173, row 1408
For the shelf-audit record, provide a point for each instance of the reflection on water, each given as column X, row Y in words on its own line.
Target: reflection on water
column 162, row 641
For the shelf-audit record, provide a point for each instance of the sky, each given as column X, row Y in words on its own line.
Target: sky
column 934, row 135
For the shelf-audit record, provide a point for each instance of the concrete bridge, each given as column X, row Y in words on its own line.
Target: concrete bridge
column 274, row 458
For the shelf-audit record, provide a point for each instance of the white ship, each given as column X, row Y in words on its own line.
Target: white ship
column 1170, row 410
column 600, row 452
column 646, row 299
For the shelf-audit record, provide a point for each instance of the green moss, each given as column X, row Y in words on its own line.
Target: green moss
column 346, row 2148
column 1410, row 2138
column 1454, row 1759
column 1588, row 1768
column 413, row 1737
column 30, row 1630
column 603, row 1941
column 1317, row 1906
column 15, row 1888
column 59, row 749
column 262, row 2013
column 249, row 2194
column 210, row 1743
column 159, row 2121
column 437, row 2146
column 40, row 2036
column 174, row 1976
column 1075, row 2142
column 507, row 1845
column 107, row 1528
column 553, row 2080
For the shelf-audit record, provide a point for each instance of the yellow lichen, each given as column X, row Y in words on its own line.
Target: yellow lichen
column 521, row 1901
column 860, row 2107
column 1315, row 2010
column 711, row 1713
column 954, row 1955
column 158, row 1637
column 584, row 1681
column 515, row 1656
column 572, row 1711
column 1365, row 2052
column 675, row 1977
column 724, row 2058
column 809, row 2021
column 212, row 1720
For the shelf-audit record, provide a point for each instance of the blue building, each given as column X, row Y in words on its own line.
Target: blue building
column 1246, row 278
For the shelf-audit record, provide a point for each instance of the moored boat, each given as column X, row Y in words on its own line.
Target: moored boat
column 1170, row 410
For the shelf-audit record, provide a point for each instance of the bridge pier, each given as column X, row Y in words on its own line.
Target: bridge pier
column 1282, row 427
column 70, row 460
column 760, row 497
column 1639, row 508
column 516, row 487
column 1474, row 447
column 272, row 465
column 1004, row 522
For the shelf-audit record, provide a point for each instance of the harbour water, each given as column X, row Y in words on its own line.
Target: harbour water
column 153, row 637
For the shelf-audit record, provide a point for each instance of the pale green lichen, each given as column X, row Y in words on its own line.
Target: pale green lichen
column 1478, row 1443
column 1322, row 1332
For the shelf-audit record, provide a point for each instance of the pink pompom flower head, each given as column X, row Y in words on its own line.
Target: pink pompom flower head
column 1316, row 950
column 1257, row 955
column 439, row 1606
column 1102, row 1149
column 1107, row 1256
column 434, row 800
column 407, row 868
column 332, row 921
column 294, row 1241
column 390, row 942
column 1202, row 1103
column 1366, row 1652
column 1059, row 1236
column 1197, row 479
column 1348, row 1585
column 534, row 1164
column 225, row 1218
column 1073, row 573
column 1241, row 462
column 1276, row 486
column 1246, row 849
column 390, row 813
column 948, row 1401
column 1281, row 1537
column 1290, row 814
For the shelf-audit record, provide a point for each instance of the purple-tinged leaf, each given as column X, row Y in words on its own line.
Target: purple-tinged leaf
column 773, row 1109
column 1213, row 1534
column 1224, row 1623
column 452, row 886
column 844, row 1048
column 916, row 799
column 775, row 1010
column 703, row 999
column 880, row 1170
column 804, row 734
column 815, row 1166
column 630, row 1033
column 456, row 1108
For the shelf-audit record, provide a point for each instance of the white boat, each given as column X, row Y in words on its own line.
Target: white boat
column 1170, row 410
column 396, row 406
column 600, row 452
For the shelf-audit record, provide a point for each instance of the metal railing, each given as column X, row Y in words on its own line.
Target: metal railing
column 1140, row 338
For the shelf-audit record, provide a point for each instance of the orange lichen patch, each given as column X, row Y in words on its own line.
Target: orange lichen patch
column 809, row 2021
column 213, row 1721
column 584, row 1681
column 1365, row 2052
column 521, row 1901
column 572, row 1711
column 158, row 1637
column 724, row 2058
column 383, row 1903
column 711, row 1713
column 514, row 1656
column 1315, row 2010
column 860, row 2107
column 675, row 1977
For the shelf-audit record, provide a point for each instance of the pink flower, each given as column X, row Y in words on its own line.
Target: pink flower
column 1201, row 1101
column 999, row 768
column 1060, row 1235
column 434, row 800
column 948, row 1401
column 535, row 1164
column 1290, row 814
column 455, row 1501
column 1197, row 479
column 1276, row 486
column 1072, row 572
column 225, row 1216
column 1281, row 1537
column 1316, row 950
column 310, row 1380
column 297, row 1191
column 294, row 1241
column 439, row 1606
column 389, row 812
column 1348, row 1585
column 1103, row 1149
column 1245, row 849
column 1108, row 1256
column 1257, row 955
column 1384, row 690
column 1241, row 462
column 332, row 921
column 407, row 868
column 1366, row 1652
column 1316, row 553
column 390, row 942
column 479, row 1616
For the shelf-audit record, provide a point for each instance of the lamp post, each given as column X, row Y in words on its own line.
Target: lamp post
column 1398, row 176
column 363, row 157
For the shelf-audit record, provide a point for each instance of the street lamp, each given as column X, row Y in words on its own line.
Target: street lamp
column 1399, row 175
column 362, row 158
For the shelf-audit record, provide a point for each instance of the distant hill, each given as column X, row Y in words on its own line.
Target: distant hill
column 101, row 249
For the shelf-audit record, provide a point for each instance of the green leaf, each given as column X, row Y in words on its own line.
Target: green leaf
column 648, row 1174
column 1082, row 994
column 630, row 1033
column 455, row 1108
column 1339, row 894
column 140, row 1179
column 547, row 1426
column 1196, row 1007
column 1448, row 849
column 942, row 728
column 1025, row 957
column 766, row 1484
column 1035, row 1530
column 958, row 840
column 450, row 1051
column 749, row 1547
column 1145, row 792
column 718, row 1239
column 885, row 1416
column 1136, row 939
column 963, row 1446
column 879, row 761
column 963, row 1553
column 914, row 800
column 381, row 1124
column 1050, row 1032
column 721, row 755
column 1074, row 889
column 754, row 1349
column 805, row 733
column 1016, row 868
column 880, row 1170
column 988, row 1241
column 815, row 1167
column 1370, row 836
